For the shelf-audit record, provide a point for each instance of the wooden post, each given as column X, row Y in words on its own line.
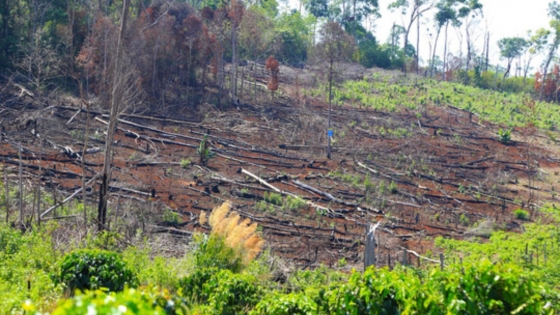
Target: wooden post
column 389, row 260
column 441, row 261
column 369, row 254
column 404, row 257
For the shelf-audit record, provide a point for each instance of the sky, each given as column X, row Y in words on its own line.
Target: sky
column 502, row 18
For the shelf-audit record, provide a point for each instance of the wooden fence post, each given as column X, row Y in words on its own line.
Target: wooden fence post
column 441, row 261
column 369, row 254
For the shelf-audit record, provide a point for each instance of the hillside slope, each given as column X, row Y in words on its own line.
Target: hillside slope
column 426, row 171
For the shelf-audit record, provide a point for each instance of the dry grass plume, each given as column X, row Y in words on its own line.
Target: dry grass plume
column 238, row 234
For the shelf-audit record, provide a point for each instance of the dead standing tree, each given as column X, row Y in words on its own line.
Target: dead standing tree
column 335, row 47
column 273, row 66
column 117, row 97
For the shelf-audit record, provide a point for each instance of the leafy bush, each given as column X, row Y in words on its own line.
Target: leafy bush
column 192, row 285
column 521, row 214
column 130, row 301
column 230, row 293
column 158, row 271
column 94, row 269
column 285, row 304
column 224, row 291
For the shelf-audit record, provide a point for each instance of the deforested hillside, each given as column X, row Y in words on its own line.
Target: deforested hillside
column 247, row 158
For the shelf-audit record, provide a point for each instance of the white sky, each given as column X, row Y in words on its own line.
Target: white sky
column 503, row 18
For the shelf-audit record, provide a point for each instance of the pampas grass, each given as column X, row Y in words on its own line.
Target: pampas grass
column 240, row 235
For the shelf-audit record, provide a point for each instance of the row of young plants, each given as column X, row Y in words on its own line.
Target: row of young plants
column 222, row 275
column 382, row 93
column 536, row 250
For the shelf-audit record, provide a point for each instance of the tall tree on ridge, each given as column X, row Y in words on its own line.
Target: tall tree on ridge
column 537, row 43
column 417, row 8
column 444, row 16
column 554, row 13
column 511, row 48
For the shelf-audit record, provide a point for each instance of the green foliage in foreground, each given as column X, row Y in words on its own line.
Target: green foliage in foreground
column 484, row 288
column 526, row 249
column 26, row 262
column 478, row 286
column 510, row 109
column 93, row 269
column 129, row 301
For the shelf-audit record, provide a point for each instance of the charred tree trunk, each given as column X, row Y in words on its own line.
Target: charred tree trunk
column 116, row 100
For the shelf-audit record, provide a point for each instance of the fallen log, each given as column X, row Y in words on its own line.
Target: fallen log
column 69, row 197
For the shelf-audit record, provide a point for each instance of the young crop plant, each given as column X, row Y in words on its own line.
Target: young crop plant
column 273, row 198
column 204, row 152
column 504, row 136
column 521, row 214
column 294, row 203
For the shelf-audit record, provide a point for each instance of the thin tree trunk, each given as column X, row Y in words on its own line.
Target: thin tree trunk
column 20, row 188
column 487, row 50
column 7, row 197
column 116, row 99
column 330, row 109
column 233, row 63
column 39, row 181
column 406, row 40
column 84, row 149
column 445, row 52
column 526, row 70
column 469, row 44
column 434, row 52
column 418, row 46
column 547, row 64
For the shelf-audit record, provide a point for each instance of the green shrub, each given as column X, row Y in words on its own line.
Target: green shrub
column 192, row 285
column 285, row 304
column 521, row 214
column 158, row 271
column 94, row 269
column 212, row 251
column 224, row 291
column 26, row 262
column 129, row 301
column 230, row 293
